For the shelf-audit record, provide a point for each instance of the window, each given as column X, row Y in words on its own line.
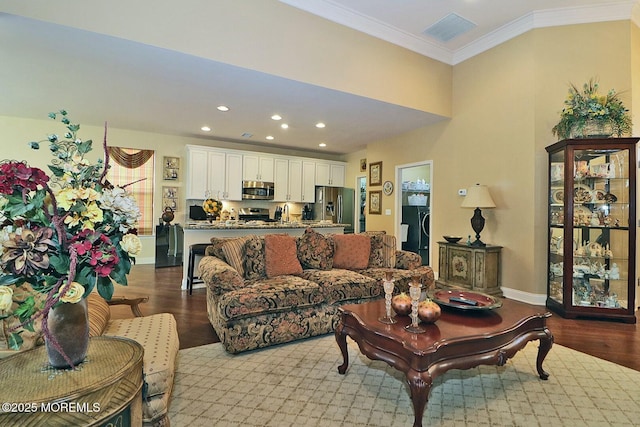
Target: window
column 133, row 169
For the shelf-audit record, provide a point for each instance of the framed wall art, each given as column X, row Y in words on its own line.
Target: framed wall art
column 375, row 202
column 171, row 169
column 170, row 198
column 363, row 165
column 375, row 173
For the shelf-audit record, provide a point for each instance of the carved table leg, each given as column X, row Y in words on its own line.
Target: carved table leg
column 543, row 350
column 420, row 386
column 341, row 339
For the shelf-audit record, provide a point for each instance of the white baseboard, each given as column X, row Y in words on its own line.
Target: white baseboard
column 528, row 297
column 147, row 260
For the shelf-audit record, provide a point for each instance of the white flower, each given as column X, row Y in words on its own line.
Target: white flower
column 74, row 293
column 123, row 206
column 131, row 244
column 6, row 298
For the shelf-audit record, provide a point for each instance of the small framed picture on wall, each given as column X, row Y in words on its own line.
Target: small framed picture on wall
column 375, row 173
column 375, row 202
column 171, row 168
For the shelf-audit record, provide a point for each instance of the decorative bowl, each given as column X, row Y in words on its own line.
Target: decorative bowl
column 452, row 239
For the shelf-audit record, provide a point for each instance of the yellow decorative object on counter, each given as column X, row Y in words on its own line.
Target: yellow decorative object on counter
column 212, row 207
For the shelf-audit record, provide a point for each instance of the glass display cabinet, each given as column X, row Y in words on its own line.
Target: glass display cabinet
column 592, row 228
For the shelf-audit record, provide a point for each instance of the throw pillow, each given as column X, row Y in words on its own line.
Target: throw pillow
column 383, row 251
column 351, row 251
column 234, row 253
column 315, row 250
column 281, row 255
column 216, row 247
column 254, row 263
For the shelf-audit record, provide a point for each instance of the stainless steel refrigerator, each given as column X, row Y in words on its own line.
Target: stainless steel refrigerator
column 417, row 218
column 336, row 204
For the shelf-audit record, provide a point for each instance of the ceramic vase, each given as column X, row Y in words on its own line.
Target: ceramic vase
column 69, row 325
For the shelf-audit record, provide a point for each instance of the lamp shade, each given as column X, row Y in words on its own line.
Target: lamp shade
column 478, row 196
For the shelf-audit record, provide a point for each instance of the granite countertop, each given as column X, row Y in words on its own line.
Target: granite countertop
column 206, row 225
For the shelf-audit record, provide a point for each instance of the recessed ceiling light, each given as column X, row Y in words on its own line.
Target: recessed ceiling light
column 322, row 144
column 284, row 126
column 320, row 125
column 205, row 128
column 276, row 117
column 223, row 108
column 269, row 137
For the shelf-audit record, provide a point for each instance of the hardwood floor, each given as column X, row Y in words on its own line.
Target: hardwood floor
column 609, row 340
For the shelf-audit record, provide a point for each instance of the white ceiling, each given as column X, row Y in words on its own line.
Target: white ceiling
column 135, row 86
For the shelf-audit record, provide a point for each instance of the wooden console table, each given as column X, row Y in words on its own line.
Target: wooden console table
column 105, row 389
column 475, row 268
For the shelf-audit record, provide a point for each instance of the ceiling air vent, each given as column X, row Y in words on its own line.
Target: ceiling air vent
column 449, row 27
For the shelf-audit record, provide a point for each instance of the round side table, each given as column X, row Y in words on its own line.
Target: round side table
column 105, row 389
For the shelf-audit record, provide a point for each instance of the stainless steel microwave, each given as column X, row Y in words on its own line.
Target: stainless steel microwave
column 257, row 190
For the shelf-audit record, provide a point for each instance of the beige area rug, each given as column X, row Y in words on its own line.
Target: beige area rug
column 298, row 384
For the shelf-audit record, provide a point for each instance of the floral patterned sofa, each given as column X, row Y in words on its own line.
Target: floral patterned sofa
column 266, row 290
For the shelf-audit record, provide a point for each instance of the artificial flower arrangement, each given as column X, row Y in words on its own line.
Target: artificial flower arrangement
column 63, row 235
column 587, row 107
column 212, row 207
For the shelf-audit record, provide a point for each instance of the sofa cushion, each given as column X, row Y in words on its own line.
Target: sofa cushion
column 254, row 259
column 281, row 255
column 99, row 314
column 158, row 335
column 233, row 250
column 351, row 251
column 315, row 250
column 383, row 251
column 340, row 285
column 282, row 293
column 406, row 260
column 215, row 248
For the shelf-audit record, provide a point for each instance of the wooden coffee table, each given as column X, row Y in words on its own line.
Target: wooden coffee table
column 458, row 340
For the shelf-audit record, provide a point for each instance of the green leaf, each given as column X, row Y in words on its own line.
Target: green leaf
column 105, row 288
column 60, row 263
column 57, row 171
column 34, row 145
column 15, row 341
column 85, row 147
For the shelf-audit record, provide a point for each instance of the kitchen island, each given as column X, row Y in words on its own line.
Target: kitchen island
column 203, row 231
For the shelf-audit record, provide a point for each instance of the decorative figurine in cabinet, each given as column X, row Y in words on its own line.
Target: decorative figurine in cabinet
column 592, row 228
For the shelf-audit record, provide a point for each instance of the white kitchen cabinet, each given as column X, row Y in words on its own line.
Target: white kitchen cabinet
column 257, row 168
column 294, row 180
column 330, row 173
column 213, row 173
column 308, row 181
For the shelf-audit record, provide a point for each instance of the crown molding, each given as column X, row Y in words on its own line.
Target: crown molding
column 624, row 10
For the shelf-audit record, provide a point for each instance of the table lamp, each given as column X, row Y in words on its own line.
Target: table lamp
column 478, row 197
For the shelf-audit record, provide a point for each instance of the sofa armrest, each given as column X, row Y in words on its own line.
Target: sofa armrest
column 219, row 276
column 133, row 303
column 406, row 260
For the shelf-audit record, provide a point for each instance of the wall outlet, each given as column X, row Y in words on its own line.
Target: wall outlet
column 387, row 211
column 462, row 192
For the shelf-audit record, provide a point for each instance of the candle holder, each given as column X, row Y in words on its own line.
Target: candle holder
column 388, row 286
column 414, row 292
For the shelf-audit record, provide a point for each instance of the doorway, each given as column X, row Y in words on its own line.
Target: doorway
column 413, row 204
column 361, row 200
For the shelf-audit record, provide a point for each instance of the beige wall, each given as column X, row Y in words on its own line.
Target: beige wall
column 505, row 102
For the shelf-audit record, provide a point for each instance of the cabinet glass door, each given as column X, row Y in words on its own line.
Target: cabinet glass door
column 556, row 224
column 600, row 228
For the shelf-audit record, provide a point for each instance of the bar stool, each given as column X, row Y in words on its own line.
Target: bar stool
column 197, row 249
